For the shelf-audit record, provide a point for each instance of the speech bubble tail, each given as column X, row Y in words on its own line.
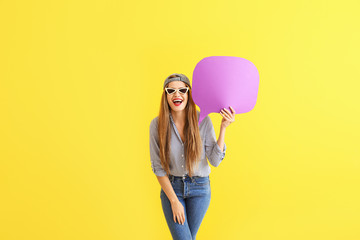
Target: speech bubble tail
column 202, row 116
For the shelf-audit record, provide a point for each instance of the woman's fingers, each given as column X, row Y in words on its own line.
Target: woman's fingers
column 178, row 213
column 231, row 116
column 225, row 116
column 182, row 218
column 226, row 112
column 179, row 219
column 229, row 113
column 232, row 113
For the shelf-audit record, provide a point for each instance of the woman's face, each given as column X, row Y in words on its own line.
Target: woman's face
column 177, row 96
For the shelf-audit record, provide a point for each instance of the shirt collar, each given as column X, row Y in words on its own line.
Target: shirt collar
column 171, row 119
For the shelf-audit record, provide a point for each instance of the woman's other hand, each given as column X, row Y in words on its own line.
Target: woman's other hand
column 178, row 212
column 228, row 117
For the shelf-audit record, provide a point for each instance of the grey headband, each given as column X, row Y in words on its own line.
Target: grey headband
column 180, row 77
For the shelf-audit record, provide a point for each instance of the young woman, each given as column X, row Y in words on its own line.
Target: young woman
column 178, row 151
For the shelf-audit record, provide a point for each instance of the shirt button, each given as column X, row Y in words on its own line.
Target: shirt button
column 182, row 155
column 182, row 165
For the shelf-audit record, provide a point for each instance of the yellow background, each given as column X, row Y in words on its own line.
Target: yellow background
column 80, row 82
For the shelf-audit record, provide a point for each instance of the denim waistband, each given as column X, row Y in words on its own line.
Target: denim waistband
column 185, row 177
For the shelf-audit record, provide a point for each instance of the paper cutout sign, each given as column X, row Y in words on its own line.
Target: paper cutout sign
column 222, row 81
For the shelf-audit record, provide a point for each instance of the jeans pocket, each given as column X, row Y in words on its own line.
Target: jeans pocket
column 202, row 181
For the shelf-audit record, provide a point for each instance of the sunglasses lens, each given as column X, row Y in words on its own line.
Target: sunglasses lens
column 183, row 90
column 170, row 91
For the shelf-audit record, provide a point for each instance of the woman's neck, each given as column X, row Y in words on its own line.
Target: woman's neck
column 178, row 117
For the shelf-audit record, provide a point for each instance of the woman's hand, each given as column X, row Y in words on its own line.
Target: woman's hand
column 228, row 117
column 178, row 212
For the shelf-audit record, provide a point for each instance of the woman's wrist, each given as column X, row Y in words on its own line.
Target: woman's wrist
column 174, row 200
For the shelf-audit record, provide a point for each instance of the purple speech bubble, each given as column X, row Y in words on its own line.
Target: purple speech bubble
column 222, row 81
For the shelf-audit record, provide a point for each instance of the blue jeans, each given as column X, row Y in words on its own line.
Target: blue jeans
column 194, row 194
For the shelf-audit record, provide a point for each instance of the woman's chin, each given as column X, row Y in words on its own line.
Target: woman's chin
column 178, row 108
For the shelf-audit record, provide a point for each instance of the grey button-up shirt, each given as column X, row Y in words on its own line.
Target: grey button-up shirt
column 177, row 154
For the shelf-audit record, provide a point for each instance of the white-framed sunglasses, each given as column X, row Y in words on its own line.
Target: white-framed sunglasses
column 171, row 91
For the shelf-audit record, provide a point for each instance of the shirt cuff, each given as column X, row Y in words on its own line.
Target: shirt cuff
column 159, row 172
column 219, row 152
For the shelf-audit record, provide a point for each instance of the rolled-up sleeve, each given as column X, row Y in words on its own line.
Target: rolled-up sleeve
column 154, row 150
column 212, row 149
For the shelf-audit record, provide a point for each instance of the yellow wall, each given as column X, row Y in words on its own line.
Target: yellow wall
column 80, row 82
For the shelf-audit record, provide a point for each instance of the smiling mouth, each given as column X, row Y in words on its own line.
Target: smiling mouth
column 177, row 102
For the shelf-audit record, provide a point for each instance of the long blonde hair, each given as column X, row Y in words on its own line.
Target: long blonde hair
column 192, row 145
